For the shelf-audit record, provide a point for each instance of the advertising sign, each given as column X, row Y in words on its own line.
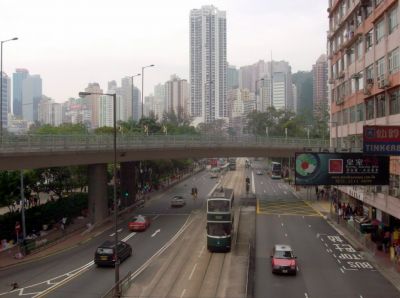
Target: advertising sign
column 341, row 169
column 382, row 140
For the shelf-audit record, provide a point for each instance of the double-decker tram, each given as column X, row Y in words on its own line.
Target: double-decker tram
column 276, row 170
column 220, row 217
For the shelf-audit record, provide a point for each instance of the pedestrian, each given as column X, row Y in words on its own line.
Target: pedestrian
column 386, row 240
column 63, row 225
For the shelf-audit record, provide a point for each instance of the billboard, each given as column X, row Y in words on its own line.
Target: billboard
column 382, row 140
column 341, row 169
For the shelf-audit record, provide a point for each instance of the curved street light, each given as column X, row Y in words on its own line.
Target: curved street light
column 114, row 96
column 1, row 84
column 151, row 65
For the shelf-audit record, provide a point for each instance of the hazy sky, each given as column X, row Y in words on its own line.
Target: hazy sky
column 73, row 42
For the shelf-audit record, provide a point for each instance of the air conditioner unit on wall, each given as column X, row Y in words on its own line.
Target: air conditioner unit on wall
column 383, row 83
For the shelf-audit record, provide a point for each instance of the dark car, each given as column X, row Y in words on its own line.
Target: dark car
column 139, row 223
column 178, row 201
column 283, row 260
column 105, row 253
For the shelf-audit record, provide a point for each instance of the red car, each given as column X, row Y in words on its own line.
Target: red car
column 139, row 223
column 283, row 260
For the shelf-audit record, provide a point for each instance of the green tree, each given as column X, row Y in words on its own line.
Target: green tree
column 9, row 188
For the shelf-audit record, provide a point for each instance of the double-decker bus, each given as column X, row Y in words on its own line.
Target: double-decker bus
column 276, row 170
column 232, row 164
column 220, row 220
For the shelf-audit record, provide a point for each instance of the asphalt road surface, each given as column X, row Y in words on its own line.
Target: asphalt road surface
column 88, row 280
column 328, row 266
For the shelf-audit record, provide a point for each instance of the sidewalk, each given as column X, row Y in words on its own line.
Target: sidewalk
column 78, row 236
column 381, row 260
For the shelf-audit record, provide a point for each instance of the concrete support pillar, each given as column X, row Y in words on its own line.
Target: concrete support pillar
column 98, row 205
column 128, row 183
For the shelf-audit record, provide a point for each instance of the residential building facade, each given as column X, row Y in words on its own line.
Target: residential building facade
column 364, row 80
column 320, row 87
column 208, row 65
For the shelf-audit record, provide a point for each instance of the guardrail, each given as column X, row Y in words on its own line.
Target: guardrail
column 34, row 143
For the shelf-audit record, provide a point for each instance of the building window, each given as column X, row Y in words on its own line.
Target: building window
column 380, row 67
column 380, row 106
column 360, row 112
column 345, row 116
column 369, row 71
column 377, row 2
column 369, row 41
column 352, row 114
column 380, row 31
column 392, row 20
column 394, row 98
column 359, row 49
column 369, row 109
column 394, row 60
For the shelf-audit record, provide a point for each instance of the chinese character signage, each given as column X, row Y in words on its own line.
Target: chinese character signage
column 383, row 140
column 341, row 169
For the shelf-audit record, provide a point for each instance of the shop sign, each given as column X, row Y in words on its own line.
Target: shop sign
column 383, row 140
column 341, row 169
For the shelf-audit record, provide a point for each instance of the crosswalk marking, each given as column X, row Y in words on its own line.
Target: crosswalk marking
column 283, row 207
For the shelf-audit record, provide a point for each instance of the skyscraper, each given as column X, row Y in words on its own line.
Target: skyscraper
column 19, row 76
column 31, row 96
column 232, row 77
column 6, row 90
column 177, row 96
column 94, row 102
column 320, row 87
column 208, row 64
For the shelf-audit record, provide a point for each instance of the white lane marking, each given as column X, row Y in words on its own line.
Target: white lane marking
column 201, row 251
column 342, row 270
column 285, row 235
column 334, row 255
column 191, row 274
column 119, row 231
column 361, row 296
column 156, row 232
column 53, row 282
column 112, row 234
column 253, row 184
column 326, row 244
column 282, row 224
column 262, row 183
column 183, row 293
column 155, row 217
column 212, row 190
column 338, row 261
column 309, row 226
column 322, row 239
column 265, row 191
column 128, row 237
column 303, row 216
column 305, row 295
column 285, row 192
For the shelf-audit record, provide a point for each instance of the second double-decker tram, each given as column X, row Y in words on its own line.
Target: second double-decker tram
column 220, row 218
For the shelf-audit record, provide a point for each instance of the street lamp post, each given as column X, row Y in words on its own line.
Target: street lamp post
column 1, row 84
column 114, row 96
column 151, row 65
column 136, row 75
column 255, row 91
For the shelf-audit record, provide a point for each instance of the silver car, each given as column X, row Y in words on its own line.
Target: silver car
column 178, row 201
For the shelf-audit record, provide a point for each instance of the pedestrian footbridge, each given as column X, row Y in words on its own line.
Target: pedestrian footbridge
column 38, row 151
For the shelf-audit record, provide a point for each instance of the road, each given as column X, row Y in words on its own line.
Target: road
column 328, row 265
column 87, row 280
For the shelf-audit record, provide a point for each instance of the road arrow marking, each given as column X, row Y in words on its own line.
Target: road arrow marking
column 156, row 232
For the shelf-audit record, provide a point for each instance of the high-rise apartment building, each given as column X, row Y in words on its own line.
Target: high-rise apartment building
column 364, row 78
column 106, row 110
column 94, row 103
column 49, row 112
column 320, row 87
column 208, row 64
column 232, row 77
column 77, row 111
column 6, row 96
column 160, row 99
column 177, row 96
column 31, row 96
column 19, row 76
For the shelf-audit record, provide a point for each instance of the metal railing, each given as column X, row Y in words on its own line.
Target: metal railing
column 34, row 143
